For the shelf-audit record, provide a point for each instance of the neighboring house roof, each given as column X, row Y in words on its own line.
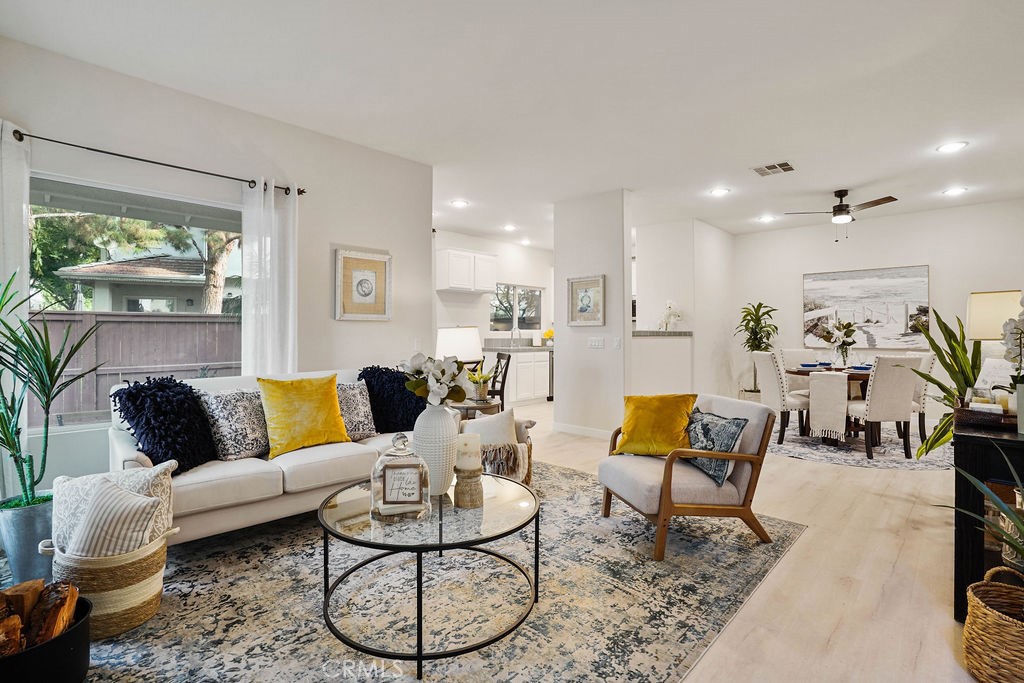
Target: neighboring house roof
column 147, row 269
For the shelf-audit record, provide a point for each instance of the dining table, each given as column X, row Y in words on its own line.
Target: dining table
column 859, row 376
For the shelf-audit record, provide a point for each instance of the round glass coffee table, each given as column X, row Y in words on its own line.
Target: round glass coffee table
column 508, row 508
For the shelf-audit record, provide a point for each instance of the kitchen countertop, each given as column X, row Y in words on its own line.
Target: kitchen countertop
column 518, row 349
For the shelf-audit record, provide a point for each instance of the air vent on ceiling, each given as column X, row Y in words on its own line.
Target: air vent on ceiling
column 773, row 169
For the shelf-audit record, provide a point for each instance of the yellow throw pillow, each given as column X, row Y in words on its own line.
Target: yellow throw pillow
column 301, row 412
column 655, row 425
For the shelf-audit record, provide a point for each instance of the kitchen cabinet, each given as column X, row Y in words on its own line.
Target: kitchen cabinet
column 465, row 271
column 528, row 376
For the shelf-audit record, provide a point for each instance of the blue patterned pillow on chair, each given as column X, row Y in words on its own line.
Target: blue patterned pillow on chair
column 710, row 432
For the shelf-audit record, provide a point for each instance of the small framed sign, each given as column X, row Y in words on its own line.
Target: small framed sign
column 402, row 484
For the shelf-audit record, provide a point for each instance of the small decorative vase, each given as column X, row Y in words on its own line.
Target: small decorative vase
column 433, row 438
column 1020, row 408
column 21, row 530
column 481, row 390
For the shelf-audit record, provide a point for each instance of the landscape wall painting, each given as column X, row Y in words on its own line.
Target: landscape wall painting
column 888, row 306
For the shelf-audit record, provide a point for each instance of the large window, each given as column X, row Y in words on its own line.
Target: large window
column 161, row 276
column 515, row 307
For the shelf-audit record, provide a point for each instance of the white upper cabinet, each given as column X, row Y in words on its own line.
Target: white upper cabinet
column 465, row 271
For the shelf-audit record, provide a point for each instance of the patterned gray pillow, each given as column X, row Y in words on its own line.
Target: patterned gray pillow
column 710, row 432
column 354, row 400
column 238, row 424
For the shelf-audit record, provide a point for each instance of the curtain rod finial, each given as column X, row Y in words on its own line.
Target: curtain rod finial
column 18, row 135
column 301, row 191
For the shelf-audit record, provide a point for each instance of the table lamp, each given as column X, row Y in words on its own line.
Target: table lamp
column 461, row 342
column 987, row 311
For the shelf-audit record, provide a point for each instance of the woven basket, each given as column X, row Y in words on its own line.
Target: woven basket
column 993, row 639
column 125, row 590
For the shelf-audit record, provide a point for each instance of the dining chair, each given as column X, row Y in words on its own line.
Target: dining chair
column 499, row 377
column 792, row 358
column 889, row 398
column 920, row 391
column 775, row 391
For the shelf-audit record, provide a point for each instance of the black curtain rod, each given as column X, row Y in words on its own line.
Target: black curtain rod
column 21, row 135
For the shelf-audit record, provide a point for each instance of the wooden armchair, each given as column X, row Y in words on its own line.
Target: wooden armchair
column 660, row 488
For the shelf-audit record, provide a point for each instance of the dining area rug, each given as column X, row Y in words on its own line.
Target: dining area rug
column 887, row 456
column 247, row 605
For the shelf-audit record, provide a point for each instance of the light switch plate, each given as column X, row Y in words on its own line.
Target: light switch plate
column 595, row 342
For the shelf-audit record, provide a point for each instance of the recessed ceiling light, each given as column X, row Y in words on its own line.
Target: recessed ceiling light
column 719, row 191
column 459, row 203
column 766, row 218
column 954, row 191
column 509, row 227
column 951, row 147
column 525, row 242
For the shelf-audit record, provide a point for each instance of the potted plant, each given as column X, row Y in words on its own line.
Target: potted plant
column 839, row 335
column 31, row 362
column 481, row 381
column 1013, row 340
column 757, row 329
column 962, row 364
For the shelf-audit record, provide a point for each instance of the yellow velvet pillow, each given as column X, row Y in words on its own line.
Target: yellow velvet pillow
column 301, row 412
column 655, row 425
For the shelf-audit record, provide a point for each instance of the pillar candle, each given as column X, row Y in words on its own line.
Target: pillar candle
column 467, row 453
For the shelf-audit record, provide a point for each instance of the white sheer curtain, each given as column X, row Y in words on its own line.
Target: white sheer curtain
column 269, row 298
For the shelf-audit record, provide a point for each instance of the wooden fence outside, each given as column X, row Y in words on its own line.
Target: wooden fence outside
column 133, row 346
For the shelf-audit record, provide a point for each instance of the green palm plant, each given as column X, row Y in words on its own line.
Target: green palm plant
column 757, row 329
column 31, row 362
column 962, row 364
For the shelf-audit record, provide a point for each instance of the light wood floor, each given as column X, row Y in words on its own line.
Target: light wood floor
column 865, row 594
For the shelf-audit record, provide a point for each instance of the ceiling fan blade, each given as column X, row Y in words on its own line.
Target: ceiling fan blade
column 803, row 213
column 873, row 203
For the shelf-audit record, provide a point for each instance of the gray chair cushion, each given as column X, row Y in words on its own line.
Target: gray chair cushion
column 637, row 479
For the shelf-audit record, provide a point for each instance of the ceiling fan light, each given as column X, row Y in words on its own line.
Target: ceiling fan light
column 841, row 218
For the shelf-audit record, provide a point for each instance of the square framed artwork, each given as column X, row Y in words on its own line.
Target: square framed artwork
column 586, row 301
column 362, row 286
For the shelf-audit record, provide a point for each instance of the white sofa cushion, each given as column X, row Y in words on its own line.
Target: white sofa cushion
column 225, row 483
column 638, row 478
column 331, row 463
column 382, row 442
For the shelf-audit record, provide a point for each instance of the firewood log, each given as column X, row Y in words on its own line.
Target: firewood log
column 52, row 614
column 11, row 640
column 6, row 608
column 23, row 597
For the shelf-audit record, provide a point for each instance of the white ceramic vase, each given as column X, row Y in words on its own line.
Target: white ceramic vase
column 434, row 437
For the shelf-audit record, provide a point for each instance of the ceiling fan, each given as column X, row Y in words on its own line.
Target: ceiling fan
column 843, row 212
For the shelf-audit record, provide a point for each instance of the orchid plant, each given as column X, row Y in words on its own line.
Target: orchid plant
column 1013, row 340
column 438, row 381
column 839, row 335
column 672, row 314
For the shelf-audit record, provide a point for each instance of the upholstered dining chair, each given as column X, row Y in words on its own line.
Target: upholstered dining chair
column 500, row 375
column 889, row 398
column 775, row 391
column 921, row 389
column 660, row 488
column 792, row 358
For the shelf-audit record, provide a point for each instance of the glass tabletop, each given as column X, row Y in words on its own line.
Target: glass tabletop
column 508, row 506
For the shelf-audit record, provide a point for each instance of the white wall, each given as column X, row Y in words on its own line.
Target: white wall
column 591, row 239
column 664, row 272
column 968, row 248
column 517, row 265
column 357, row 197
column 713, row 314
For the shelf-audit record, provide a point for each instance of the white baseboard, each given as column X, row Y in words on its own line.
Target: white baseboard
column 581, row 431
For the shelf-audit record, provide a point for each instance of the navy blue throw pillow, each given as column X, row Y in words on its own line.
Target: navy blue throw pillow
column 710, row 432
column 166, row 417
column 394, row 407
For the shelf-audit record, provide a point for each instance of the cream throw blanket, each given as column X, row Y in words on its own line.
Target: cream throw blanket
column 828, row 405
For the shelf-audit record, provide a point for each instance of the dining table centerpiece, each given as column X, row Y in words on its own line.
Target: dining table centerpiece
column 839, row 335
column 436, row 430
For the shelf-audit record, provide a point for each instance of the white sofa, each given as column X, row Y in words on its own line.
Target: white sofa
column 221, row 496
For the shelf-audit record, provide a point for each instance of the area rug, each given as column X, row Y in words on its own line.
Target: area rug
column 246, row 606
column 887, row 456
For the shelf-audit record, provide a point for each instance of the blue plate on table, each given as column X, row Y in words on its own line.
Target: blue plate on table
column 861, row 368
column 808, row 365
column 824, row 364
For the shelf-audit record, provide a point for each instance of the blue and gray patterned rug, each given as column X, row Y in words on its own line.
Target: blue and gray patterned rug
column 887, row 456
column 246, row 606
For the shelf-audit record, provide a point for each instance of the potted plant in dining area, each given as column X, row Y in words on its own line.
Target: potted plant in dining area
column 32, row 362
column 757, row 330
column 839, row 335
column 481, row 381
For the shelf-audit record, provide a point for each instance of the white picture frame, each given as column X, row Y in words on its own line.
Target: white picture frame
column 362, row 285
column 585, row 301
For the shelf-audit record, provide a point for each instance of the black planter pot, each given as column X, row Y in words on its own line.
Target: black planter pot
column 64, row 659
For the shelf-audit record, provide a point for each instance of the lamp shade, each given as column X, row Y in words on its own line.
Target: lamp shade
column 987, row 311
column 461, row 342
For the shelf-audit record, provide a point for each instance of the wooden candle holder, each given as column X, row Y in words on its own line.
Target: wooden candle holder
column 469, row 490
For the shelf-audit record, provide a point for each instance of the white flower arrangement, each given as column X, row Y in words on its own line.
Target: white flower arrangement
column 438, row 380
column 672, row 314
column 1013, row 340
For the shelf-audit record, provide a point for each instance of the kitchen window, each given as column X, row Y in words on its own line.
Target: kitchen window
column 515, row 307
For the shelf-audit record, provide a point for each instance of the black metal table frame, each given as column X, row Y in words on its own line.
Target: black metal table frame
column 420, row 656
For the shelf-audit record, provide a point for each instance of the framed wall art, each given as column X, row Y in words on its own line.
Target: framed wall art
column 586, row 301
column 888, row 306
column 362, row 286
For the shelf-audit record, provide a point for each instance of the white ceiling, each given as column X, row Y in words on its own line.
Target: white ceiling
column 520, row 104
